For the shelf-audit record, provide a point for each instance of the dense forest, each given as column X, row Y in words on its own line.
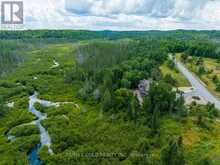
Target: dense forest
column 94, row 78
column 8, row 56
column 85, row 35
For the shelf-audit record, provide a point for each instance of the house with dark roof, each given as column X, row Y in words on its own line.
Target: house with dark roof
column 144, row 87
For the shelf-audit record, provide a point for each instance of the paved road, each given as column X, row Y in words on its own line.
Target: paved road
column 200, row 88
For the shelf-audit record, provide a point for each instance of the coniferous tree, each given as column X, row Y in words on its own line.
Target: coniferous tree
column 173, row 154
column 155, row 120
column 122, row 99
column 169, row 79
column 2, row 110
column 205, row 161
column 107, row 100
column 162, row 96
column 135, row 107
column 184, row 57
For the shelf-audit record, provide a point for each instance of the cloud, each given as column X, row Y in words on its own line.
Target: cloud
column 122, row 14
column 153, row 8
column 78, row 6
column 112, row 7
column 152, row 14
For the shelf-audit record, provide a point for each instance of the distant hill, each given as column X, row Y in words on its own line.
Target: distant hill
column 85, row 35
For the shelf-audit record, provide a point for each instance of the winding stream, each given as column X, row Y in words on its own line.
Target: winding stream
column 45, row 139
column 44, row 135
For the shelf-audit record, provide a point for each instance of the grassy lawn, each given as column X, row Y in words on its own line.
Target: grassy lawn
column 180, row 79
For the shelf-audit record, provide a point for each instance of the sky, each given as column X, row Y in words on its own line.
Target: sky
column 122, row 14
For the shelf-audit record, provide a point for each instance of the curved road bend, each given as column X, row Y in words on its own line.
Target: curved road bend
column 200, row 88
